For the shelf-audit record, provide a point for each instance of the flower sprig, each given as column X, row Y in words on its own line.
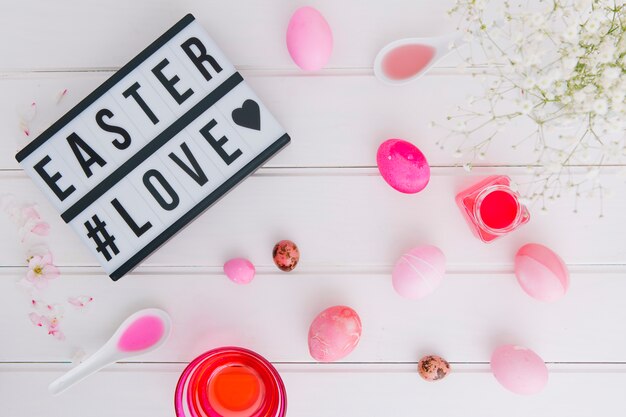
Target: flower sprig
column 560, row 64
column 33, row 230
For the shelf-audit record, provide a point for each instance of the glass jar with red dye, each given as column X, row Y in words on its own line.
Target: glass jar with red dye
column 230, row 382
column 492, row 208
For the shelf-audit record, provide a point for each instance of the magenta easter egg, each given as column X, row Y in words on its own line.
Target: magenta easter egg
column 309, row 39
column 239, row 270
column 519, row 369
column 403, row 166
column 541, row 273
column 334, row 333
column 419, row 272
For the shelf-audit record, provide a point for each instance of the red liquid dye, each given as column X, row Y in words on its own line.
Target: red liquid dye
column 405, row 61
column 498, row 209
column 230, row 382
column 235, row 391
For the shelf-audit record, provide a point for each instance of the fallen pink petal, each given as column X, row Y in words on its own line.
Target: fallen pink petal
column 41, row 229
column 38, row 320
column 81, row 301
column 30, row 212
column 61, row 94
column 57, row 334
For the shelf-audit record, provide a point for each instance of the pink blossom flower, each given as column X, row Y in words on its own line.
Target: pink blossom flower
column 41, row 270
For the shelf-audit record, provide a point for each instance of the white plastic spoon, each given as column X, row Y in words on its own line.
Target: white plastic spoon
column 140, row 333
column 406, row 60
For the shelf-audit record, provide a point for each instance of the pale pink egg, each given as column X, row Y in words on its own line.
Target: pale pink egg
column 239, row 270
column 334, row 333
column 403, row 166
column 419, row 272
column 519, row 369
column 309, row 39
column 541, row 272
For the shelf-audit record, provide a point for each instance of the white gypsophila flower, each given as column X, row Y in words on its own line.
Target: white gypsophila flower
column 525, row 106
column 518, row 38
column 582, row 5
column 544, row 82
column 529, row 82
column 560, row 88
column 591, row 27
column 580, row 96
column 536, row 20
column 612, row 73
column 561, row 63
column 600, row 106
column 570, row 34
column 618, row 107
column 606, row 53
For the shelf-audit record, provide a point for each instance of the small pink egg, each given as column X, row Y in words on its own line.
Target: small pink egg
column 239, row 270
column 403, row 166
column 519, row 369
column 541, row 273
column 419, row 272
column 309, row 39
column 334, row 333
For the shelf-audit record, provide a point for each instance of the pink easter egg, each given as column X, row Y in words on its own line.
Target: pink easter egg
column 519, row 369
column 419, row 272
column 309, row 39
column 403, row 166
column 334, row 333
column 239, row 270
column 541, row 273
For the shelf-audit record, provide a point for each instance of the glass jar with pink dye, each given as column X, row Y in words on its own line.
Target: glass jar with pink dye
column 492, row 208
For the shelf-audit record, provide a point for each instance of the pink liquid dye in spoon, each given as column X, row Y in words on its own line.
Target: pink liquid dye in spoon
column 138, row 334
column 407, row 60
column 141, row 334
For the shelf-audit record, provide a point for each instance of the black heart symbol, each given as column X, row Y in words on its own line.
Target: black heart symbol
column 248, row 115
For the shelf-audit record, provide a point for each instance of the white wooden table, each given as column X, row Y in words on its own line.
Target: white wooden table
column 324, row 193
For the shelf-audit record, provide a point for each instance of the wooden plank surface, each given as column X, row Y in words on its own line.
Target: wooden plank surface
column 348, row 219
column 333, row 390
column 464, row 320
column 335, row 120
column 324, row 193
column 80, row 34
